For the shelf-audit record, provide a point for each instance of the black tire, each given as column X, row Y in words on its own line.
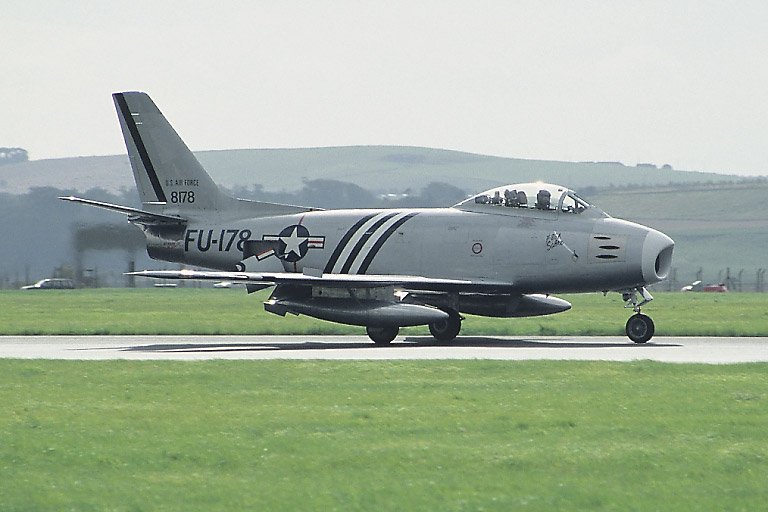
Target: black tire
column 640, row 328
column 382, row 335
column 448, row 329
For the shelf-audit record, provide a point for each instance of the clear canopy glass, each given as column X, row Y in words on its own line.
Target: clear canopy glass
column 533, row 196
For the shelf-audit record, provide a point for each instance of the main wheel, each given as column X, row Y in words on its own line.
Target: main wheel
column 448, row 329
column 382, row 335
column 640, row 328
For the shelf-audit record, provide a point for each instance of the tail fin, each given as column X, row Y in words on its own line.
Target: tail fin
column 165, row 170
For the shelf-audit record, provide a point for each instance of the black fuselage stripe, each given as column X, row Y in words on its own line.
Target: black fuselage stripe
column 140, row 147
column 375, row 249
column 344, row 241
column 360, row 243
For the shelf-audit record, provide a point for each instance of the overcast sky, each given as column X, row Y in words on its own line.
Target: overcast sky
column 679, row 82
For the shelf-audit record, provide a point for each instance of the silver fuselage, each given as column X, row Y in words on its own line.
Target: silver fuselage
column 502, row 245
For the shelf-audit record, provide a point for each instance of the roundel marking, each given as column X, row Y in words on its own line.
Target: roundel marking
column 293, row 243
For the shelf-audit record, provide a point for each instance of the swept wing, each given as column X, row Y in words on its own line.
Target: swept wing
column 335, row 280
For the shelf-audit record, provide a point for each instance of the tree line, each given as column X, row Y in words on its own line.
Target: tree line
column 13, row 155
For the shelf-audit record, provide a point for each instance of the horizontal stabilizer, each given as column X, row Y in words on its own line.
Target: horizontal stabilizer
column 134, row 214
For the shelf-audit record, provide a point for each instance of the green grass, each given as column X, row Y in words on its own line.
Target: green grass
column 312, row 435
column 208, row 311
column 675, row 314
column 149, row 311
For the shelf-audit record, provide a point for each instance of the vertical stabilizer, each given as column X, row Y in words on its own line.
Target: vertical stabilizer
column 167, row 174
column 165, row 170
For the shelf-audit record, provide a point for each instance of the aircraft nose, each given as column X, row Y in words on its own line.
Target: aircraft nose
column 657, row 256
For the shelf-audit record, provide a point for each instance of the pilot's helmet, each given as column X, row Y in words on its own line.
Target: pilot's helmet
column 542, row 199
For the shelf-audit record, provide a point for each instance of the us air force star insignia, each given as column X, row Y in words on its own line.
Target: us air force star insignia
column 294, row 242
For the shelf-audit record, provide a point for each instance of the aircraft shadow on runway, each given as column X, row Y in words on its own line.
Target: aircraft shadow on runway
column 408, row 342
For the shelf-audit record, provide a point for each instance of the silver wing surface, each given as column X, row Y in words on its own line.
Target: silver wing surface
column 309, row 278
column 379, row 300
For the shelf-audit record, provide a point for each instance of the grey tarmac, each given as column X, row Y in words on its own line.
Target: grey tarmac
column 711, row 350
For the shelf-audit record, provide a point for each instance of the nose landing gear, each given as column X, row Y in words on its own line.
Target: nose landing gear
column 640, row 327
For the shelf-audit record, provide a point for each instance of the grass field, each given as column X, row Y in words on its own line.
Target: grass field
column 467, row 435
column 376, row 435
column 209, row 311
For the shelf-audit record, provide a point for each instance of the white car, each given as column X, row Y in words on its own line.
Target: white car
column 51, row 284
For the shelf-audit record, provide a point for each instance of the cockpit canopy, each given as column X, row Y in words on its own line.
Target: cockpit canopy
column 531, row 196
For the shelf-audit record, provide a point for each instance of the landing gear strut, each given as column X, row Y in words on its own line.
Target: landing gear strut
column 448, row 329
column 640, row 327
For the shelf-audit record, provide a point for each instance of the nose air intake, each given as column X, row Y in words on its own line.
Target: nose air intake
column 657, row 256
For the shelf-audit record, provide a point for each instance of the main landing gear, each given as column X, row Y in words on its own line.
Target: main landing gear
column 442, row 330
column 448, row 329
column 382, row 335
column 640, row 327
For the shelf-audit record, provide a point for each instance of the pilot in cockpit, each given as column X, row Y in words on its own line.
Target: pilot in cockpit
column 543, row 199
column 510, row 198
column 548, row 198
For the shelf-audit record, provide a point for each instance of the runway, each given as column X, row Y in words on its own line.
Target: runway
column 191, row 348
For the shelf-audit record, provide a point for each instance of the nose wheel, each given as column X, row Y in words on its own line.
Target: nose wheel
column 640, row 327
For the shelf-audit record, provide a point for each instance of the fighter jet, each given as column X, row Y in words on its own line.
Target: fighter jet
column 501, row 253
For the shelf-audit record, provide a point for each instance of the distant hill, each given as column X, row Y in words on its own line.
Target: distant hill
column 380, row 169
